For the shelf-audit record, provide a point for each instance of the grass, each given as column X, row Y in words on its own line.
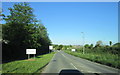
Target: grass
column 27, row 66
column 102, row 58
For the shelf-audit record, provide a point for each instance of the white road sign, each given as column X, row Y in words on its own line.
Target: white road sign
column 51, row 47
column 73, row 50
column 30, row 51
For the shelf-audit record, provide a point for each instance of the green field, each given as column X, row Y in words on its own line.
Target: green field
column 103, row 58
column 27, row 66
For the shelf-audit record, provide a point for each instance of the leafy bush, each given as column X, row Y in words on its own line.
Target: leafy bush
column 103, row 58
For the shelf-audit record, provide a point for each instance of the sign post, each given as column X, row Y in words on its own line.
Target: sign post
column 34, row 56
column 30, row 51
column 28, row 56
column 50, row 48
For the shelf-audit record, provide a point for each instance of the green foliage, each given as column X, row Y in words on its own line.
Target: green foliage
column 116, row 45
column 110, row 43
column 98, row 44
column 103, row 58
column 91, row 46
column 1, row 15
column 54, row 46
column 64, row 48
column 79, row 50
column 21, row 13
column 22, row 31
column 27, row 66
column 86, row 46
column 103, row 54
column 61, row 47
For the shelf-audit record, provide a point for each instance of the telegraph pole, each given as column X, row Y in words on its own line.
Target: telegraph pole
column 83, row 42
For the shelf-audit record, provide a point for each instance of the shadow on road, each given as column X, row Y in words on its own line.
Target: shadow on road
column 54, row 60
column 70, row 72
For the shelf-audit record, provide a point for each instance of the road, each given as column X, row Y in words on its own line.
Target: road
column 63, row 62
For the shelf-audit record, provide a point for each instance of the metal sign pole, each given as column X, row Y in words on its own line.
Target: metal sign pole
column 28, row 56
column 34, row 56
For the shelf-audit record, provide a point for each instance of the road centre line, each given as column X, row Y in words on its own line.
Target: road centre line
column 73, row 65
column 63, row 55
column 90, row 71
column 98, row 65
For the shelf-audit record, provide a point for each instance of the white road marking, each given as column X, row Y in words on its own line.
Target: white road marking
column 63, row 55
column 89, row 71
column 93, row 72
column 73, row 66
column 53, row 57
column 81, row 70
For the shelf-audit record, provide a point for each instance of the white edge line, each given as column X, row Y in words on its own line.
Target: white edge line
column 47, row 65
column 53, row 56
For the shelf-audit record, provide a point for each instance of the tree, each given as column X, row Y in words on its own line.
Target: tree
column 21, row 13
column 1, row 15
column 86, row 46
column 110, row 42
column 19, row 25
column 91, row 46
column 22, row 31
column 116, row 45
column 99, row 43
column 60, row 47
column 64, row 47
column 1, row 18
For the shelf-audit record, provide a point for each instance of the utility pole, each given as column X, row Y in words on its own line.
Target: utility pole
column 83, row 42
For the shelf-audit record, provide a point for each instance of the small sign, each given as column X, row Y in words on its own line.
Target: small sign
column 73, row 50
column 50, row 47
column 30, row 51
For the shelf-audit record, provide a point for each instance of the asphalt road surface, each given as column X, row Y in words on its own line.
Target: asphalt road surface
column 63, row 63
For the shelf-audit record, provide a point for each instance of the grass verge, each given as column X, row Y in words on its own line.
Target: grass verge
column 27, row 66
column 102, row 58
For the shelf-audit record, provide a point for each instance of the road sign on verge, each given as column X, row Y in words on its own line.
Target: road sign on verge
column 30, row 51
column 73, row 50
column 50, row 47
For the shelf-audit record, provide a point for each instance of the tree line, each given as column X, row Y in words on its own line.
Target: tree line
column 23, row 31
column 99, row 47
